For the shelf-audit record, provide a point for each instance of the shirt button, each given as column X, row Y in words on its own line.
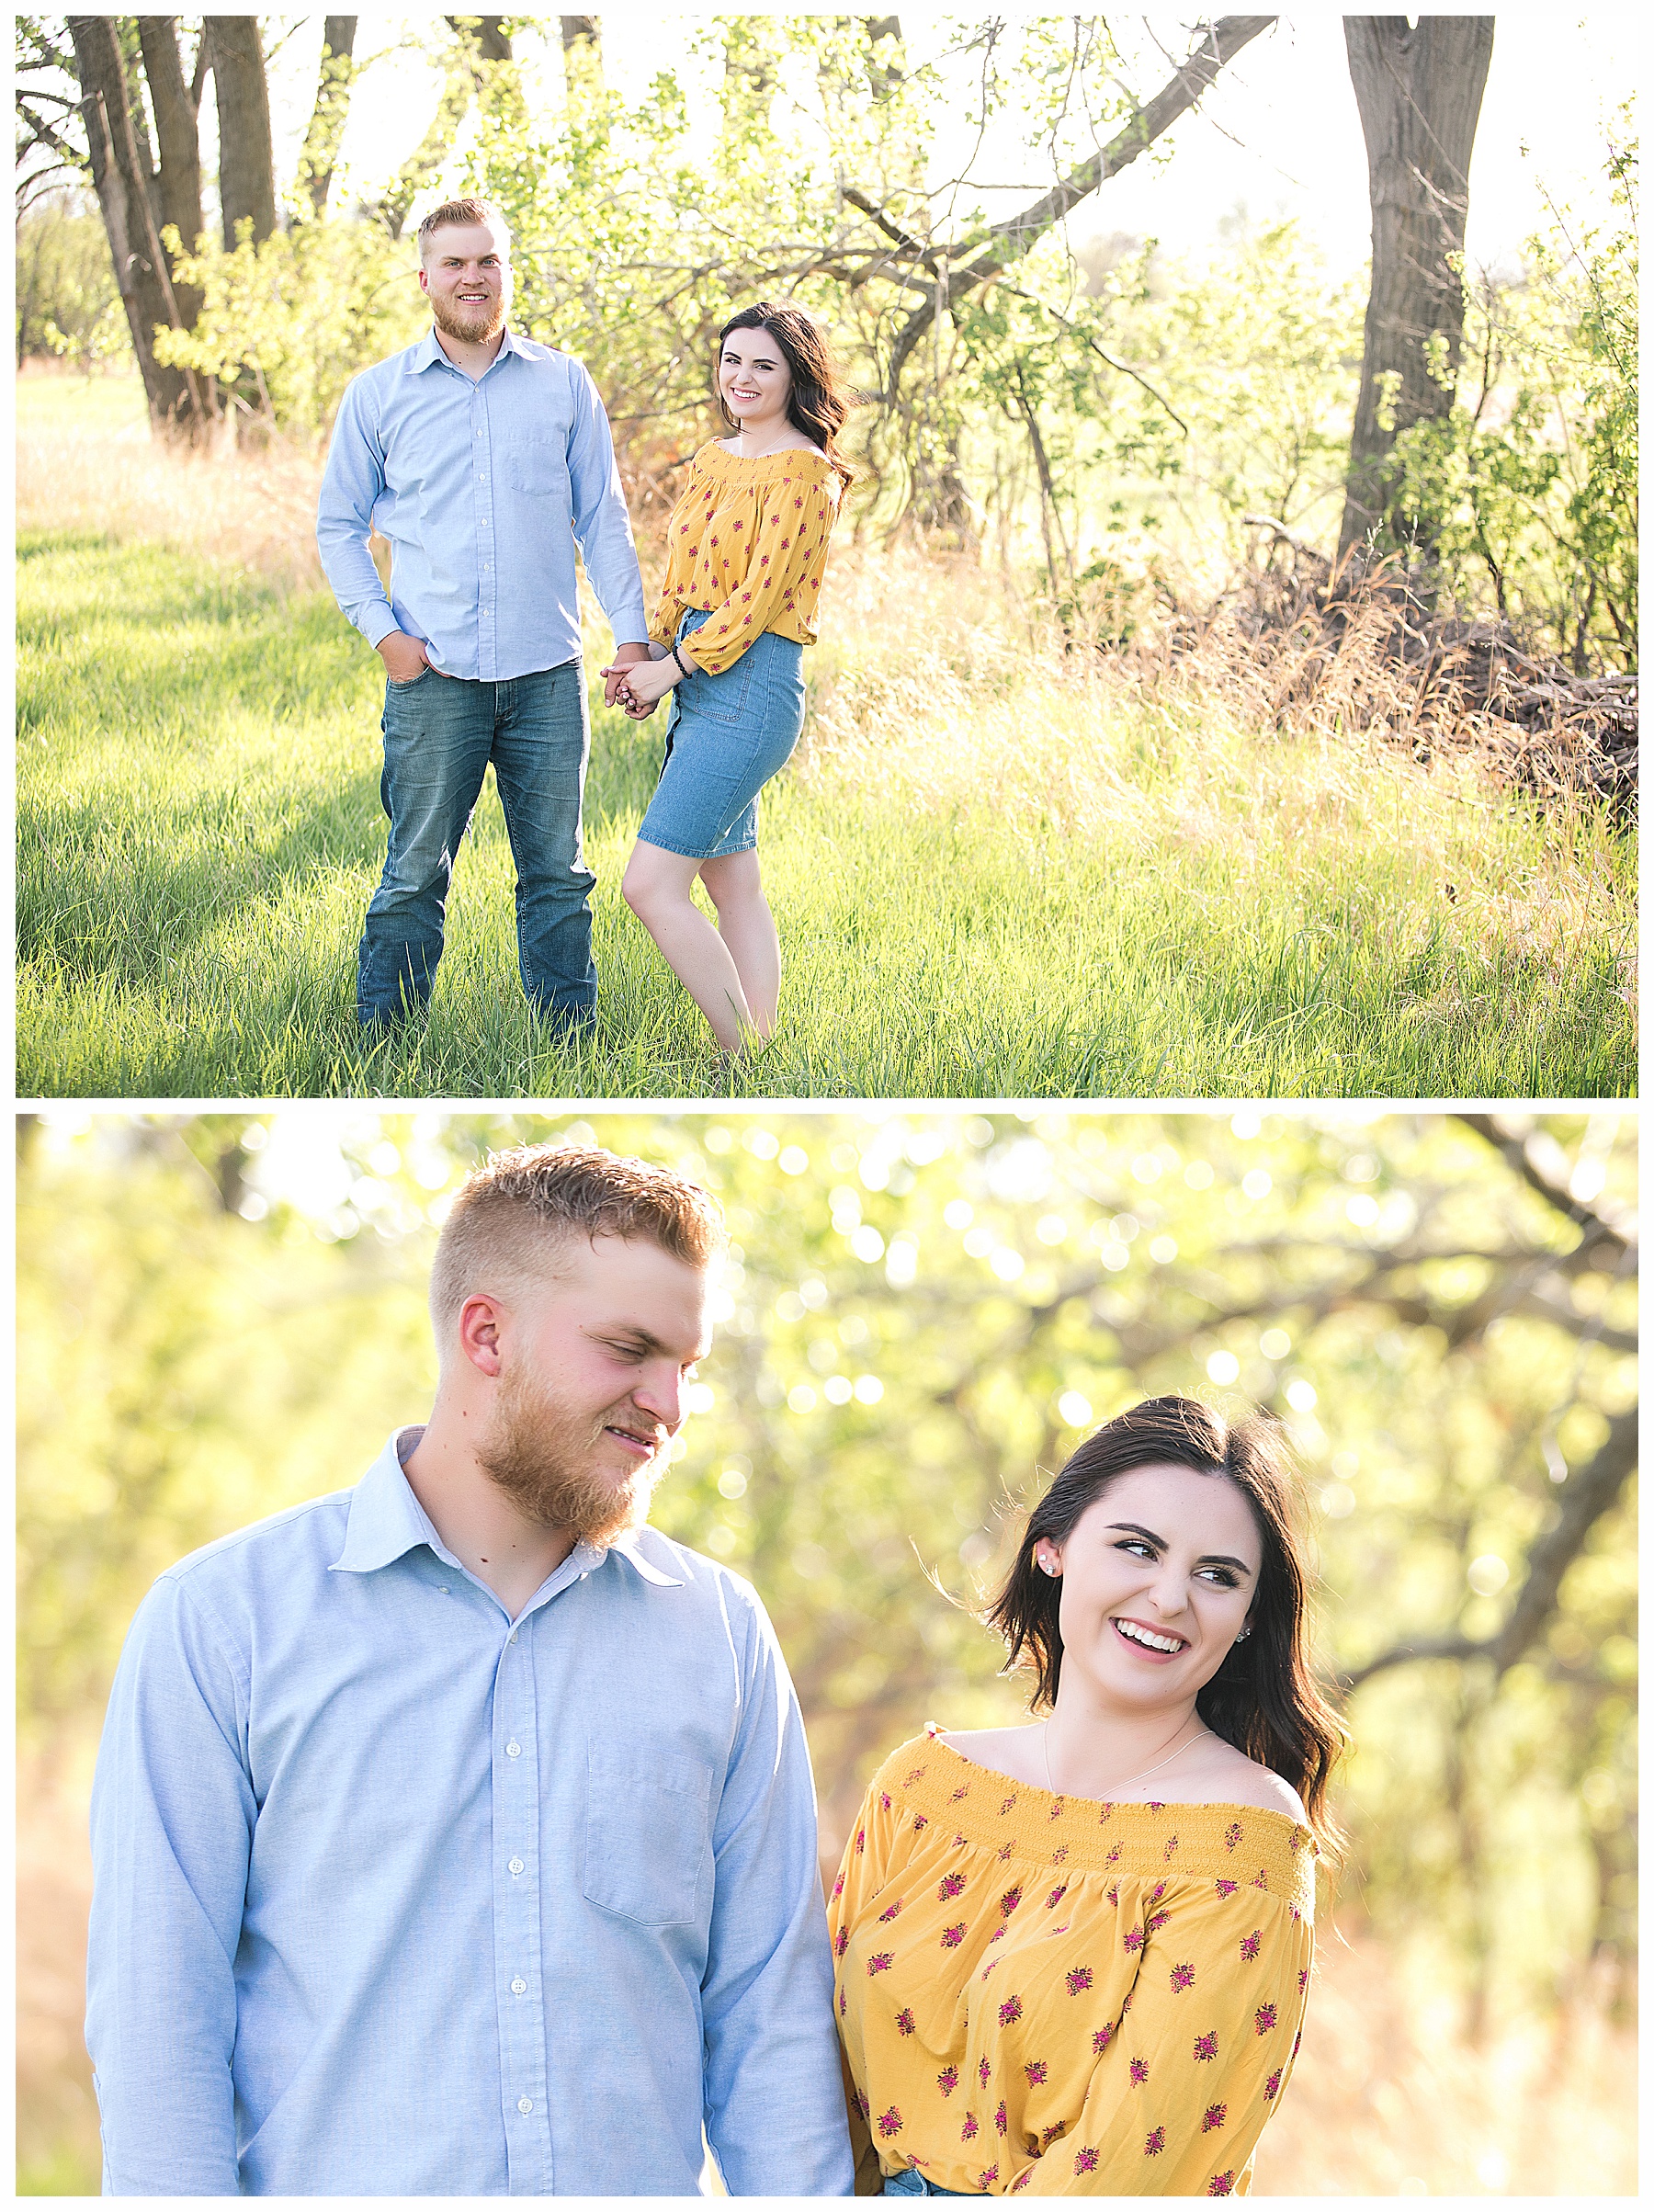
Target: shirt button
column 514, row 1865
column 525, row 2103
column 514, row 1751
column 512, row 1638
column 519, row 1987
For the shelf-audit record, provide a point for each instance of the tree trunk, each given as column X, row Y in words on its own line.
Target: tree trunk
column 332, row 104
column 582, row 59
column 886, row 71
column 247, row 164
column 178, row 137
column 174, row 394
column 1419, row 90
column 132, row 62
column 498, row 89
column 494, row 41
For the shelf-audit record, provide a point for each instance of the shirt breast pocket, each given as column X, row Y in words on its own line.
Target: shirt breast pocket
column 538, row 466
column 648, row 1835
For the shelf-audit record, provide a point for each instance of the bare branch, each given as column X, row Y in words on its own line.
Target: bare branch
column 1517, row 1151
column 893, row 231
column 1008, row 240
column 1085, row 339
column 1586, row 1497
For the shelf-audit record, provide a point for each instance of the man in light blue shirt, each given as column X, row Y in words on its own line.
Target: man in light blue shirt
column 454, row 1835
column 481, row 457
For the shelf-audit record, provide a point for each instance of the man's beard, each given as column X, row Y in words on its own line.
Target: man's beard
column 484, row 321
column 540, row 1455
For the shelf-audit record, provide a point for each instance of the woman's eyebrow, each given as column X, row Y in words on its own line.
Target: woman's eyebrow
column 1209, row 1559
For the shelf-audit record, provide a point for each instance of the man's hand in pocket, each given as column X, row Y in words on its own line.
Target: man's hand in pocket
column 404, row 657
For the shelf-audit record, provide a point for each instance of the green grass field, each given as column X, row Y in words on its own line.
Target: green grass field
column 993, row 878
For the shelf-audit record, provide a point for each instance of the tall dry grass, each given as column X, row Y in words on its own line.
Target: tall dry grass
column 86, row 461
column 938, row 682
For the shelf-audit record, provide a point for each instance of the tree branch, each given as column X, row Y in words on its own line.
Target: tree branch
column 1085, row 339
column 203, row 64
column 1008, row 240
column 1586, row 1497
column 1517, row 1152
column 893, row 231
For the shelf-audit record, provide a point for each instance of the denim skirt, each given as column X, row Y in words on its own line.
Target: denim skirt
column 727, row 736
column 910, row 2181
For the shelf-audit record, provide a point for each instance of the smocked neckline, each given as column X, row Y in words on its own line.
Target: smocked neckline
column 759, row 460
column 1152, row 1809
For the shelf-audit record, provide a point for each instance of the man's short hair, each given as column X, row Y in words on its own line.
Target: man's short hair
column 513, row 1219
column 469, row 209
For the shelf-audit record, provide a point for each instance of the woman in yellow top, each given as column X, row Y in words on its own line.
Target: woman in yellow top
column 747, row 543
column 1071, row 1957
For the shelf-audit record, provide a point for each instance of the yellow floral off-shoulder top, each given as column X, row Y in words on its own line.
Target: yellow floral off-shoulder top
column 1057, row 1996
column 747, row 541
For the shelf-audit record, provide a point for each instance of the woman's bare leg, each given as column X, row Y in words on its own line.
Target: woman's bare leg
column 748, row 928
column 656, row 887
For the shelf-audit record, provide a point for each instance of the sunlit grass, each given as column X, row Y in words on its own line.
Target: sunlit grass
column 998, row 869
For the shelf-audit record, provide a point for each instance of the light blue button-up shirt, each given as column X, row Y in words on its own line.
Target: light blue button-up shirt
column 481, row 489
column 394, row 1895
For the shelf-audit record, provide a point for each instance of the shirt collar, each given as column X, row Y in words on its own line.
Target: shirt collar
column 386, row 1521
column 428, row 353
column 627, row 1548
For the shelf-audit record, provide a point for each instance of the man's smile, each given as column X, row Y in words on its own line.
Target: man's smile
column 644, row 1442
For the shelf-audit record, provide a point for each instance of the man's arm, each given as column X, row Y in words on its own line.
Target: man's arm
column 353, row 480
column 775, row 2107
column 601, row 525
column 172, row 1812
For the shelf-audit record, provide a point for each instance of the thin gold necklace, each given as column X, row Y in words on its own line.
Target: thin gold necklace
column 1143, row 1776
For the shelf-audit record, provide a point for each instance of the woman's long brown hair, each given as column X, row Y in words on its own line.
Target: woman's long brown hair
column 818, row 403
column 1263, row 1699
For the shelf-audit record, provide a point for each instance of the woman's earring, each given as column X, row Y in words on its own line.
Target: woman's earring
column 1243, row 1635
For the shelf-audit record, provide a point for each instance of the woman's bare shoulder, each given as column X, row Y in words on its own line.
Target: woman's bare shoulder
column 1011, row 1752
column 1229, row 1777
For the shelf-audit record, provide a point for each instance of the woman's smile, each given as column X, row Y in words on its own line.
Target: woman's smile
column 1156, row 1645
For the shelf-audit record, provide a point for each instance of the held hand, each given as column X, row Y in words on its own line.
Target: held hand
column 645, row 683
column 613, row 675
column 404, row 657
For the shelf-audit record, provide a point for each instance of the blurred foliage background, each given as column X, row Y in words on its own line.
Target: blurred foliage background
column 220, row 1314
column 1103, row 416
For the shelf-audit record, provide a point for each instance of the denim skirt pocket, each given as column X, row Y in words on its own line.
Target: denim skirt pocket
column 723, row 698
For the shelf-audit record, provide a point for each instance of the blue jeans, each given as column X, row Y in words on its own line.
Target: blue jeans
column 441, row 734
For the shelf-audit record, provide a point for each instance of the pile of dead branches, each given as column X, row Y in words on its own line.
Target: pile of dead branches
column 1370, row 646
